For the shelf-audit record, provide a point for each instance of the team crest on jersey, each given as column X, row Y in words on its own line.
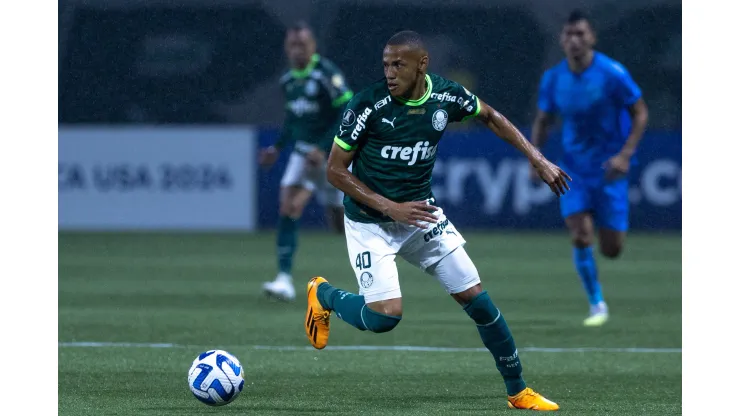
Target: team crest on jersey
column 348, row 118
column 366, row 279
column 311, row 88
column 439, row 120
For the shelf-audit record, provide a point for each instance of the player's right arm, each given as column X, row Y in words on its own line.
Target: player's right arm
column 352, row 133
column 545, row 111
column 269, row 155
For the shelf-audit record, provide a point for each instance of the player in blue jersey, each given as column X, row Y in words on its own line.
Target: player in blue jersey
column 603, row 119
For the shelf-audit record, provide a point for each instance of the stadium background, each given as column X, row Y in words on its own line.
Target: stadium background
column 215, row 65
column 162, row 108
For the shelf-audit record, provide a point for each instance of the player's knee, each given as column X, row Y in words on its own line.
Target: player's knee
column 466, row 297
column 289, row 208
column 482, row 310
column 581, row 240
column 379, row 322
column 611, row 251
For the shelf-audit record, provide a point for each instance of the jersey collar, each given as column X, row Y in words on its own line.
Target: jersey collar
column 423, row 99
column 303, row 73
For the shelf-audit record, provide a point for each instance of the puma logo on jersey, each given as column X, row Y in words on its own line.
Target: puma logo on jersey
column 385, row 120
column 420, row 151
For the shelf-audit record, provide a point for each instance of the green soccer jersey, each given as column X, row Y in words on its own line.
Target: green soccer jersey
column 314, row 98
column 396, row 140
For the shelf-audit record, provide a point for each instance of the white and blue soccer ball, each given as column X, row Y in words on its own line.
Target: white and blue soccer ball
column 216, row 378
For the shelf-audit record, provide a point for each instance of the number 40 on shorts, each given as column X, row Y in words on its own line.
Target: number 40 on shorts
column 363, row 261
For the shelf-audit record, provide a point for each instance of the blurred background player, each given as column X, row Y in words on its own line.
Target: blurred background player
column 316, row 92
column 604, row 117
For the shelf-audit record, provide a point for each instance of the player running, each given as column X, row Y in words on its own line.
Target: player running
column 389, row 133
column 316, row 93
column 604, row 117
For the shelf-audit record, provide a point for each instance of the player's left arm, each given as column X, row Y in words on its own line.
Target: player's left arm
column 552, row 174
column 629, row 95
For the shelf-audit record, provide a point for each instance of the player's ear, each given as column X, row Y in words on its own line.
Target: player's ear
column 423, row 64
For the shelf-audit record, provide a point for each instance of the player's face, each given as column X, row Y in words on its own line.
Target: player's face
column 402, row 67
column 577, row 39
column 299, row 46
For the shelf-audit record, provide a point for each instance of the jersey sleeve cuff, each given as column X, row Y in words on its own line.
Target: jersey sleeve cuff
column 477, row 110
column 342, row 99
column 342, row 144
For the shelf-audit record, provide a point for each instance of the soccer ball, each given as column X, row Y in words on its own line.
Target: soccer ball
column 216, row 378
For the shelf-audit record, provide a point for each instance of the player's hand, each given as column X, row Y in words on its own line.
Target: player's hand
column 534, row 175
column 617, row 166
column 414, row 213
column 553, row 176
column 268, row 156
column 316, row 157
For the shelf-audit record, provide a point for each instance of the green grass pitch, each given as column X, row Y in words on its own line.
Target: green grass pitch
column 202, row 291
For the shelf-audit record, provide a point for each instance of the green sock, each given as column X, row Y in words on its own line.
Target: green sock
column 287, row 242
column 497, row 338
column 352, row 309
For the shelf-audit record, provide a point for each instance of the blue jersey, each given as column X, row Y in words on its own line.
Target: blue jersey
column 593, row 106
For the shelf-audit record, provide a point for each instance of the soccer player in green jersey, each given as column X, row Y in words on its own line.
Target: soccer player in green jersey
column 316, row 93
column 389, row 134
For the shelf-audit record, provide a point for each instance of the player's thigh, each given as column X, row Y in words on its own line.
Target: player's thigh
column 578, row 199
column 455, row 272
column 425, row 247
column 296, row 187
column 612, row 206
column 612, row 217
column 373, row 259
column 297, row 173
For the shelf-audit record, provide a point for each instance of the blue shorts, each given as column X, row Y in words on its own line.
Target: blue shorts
column 608, row 201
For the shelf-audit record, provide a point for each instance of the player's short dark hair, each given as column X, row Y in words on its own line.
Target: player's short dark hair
column 299, row 25
column 407, row 37
column 577, row 15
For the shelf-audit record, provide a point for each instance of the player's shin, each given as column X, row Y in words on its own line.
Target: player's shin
column 287, row 242
column 497, row 338
column 583, row 257
column 352, row 309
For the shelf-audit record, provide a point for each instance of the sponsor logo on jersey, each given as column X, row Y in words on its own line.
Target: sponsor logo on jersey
column 436, row 230
column 303, row 106
column 439, row 120
column 460, row 101
column 444, row 96
column 420, row 151
column 417, row 111
column 348, row 118
column 311, row 88
column 382, row 102
column 361, row 123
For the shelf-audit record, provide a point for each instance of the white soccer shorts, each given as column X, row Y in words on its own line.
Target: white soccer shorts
column 373, row 248
column 300, row 173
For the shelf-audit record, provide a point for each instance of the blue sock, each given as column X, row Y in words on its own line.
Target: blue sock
column 351, row 308
column 586, row 267
column 287, row 242
column 497, row 338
